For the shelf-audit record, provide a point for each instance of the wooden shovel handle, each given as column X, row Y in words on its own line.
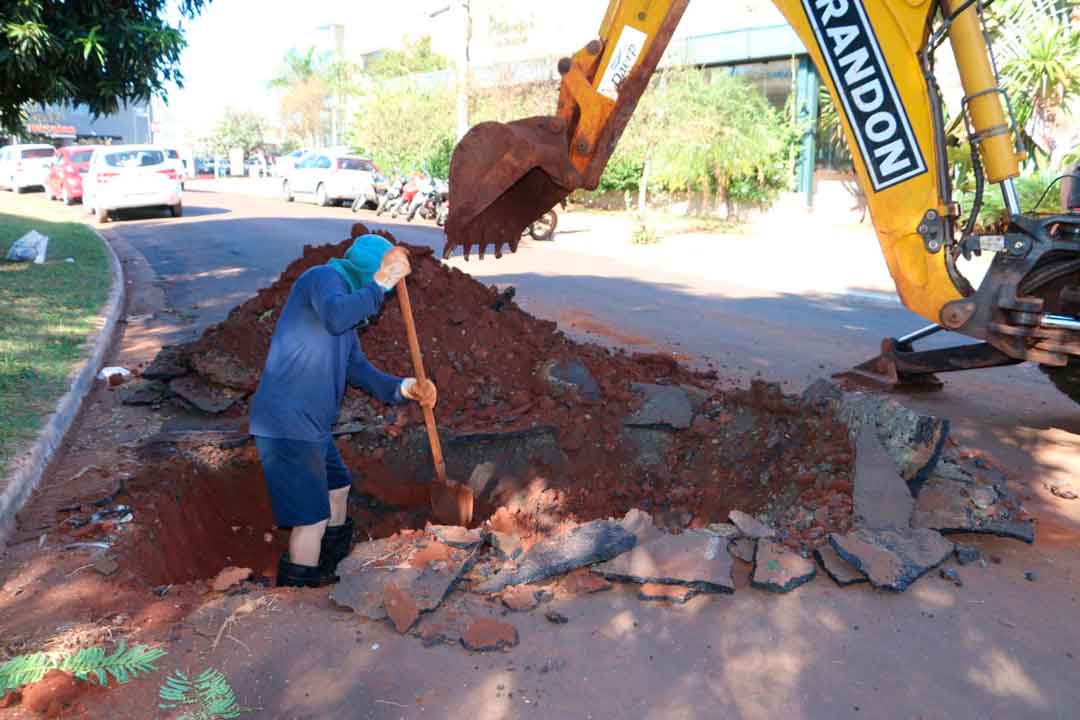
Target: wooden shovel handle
column 418, row 367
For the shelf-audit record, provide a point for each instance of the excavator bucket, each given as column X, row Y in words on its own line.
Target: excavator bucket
column 503, row 176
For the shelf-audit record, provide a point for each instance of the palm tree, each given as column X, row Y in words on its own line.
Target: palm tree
column 1039, row 50
column 298, row 67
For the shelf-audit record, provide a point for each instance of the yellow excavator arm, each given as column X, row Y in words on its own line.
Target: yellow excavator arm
column 875, row 57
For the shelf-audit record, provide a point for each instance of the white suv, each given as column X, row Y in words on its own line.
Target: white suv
column 130, row 176
column 327, row 177
column 24, row 166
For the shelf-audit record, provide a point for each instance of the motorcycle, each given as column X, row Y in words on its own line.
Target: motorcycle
column 543, row 228
column 409, row 192
column 426, row 202
column 442, row 213
column 389, row 197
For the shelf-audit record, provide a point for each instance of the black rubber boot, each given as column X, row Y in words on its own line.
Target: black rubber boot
column 337, row 543
column 293, row 575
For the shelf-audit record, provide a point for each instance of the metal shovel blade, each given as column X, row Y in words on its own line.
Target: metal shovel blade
column 503, row 176
column 451, row 502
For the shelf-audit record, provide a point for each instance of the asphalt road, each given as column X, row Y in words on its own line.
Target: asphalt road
column 227, row 246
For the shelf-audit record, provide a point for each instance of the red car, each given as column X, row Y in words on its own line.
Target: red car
column 66, row 173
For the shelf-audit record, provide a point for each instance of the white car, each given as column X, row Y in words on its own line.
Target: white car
column 24, row 166
column 330, row 178
column 286, row 163
column 130, row 176
column 173, row 160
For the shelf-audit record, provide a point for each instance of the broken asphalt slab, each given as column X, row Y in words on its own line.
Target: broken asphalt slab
column 142, row 392
column 881, row 497
column 840, row 570
column 457, row 536
column 892, row 559
column 750, row 526
column 586, row 544
column 203, row 396
column 695, row 559
column 640, row 524
column 665, row 406
column 778, row 569
column 955, row 499
column 743, row 548
column 572, row 375
column 914, row 441
column 421, row 568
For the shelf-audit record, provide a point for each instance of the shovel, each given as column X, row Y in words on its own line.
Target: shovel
column 451, row 502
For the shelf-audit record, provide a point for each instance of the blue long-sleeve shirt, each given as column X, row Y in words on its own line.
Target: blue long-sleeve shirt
column 314, row 351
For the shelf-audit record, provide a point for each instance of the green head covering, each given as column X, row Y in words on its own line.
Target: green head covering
column 361, row 261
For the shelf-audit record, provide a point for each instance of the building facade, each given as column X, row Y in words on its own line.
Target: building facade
column 76, row 125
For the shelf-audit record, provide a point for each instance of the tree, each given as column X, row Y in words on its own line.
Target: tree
column 415, row 58
column 307, row 92
column 715, row 135
column 98, row 54
column 1040, row 50
column 405, row 125
column 236, row 129
column 297, row 67
column 506, row 101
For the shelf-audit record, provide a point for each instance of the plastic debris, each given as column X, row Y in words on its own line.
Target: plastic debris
column 114, row 375
column 31, row 247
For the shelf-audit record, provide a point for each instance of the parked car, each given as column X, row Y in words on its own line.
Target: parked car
column 121, row 177
column 256, row 167
column 173, row 160
column 65, row 179
column 332, row 178
column 25, row 166
column 287, row 163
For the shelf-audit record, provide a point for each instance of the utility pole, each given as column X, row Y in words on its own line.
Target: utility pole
column 461, row 62
column 463, row 71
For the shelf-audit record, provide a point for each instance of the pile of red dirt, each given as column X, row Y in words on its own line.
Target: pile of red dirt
column 482, row 351
column 756, row 451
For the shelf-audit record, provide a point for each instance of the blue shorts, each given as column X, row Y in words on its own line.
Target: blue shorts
column 299, row 476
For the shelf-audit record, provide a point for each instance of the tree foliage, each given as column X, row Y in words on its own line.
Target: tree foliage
column 404, row 125
column 236, row 129
column 506, row 101
column 417, row 57
column 1038, row 46
column 716, row 135
column 98, row 54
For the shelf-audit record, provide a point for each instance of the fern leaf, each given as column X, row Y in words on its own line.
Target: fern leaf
column 217, row 696
column 176, row 691
column 25, row 669
column 123, row 664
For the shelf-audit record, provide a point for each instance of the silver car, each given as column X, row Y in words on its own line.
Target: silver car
column 327, row 178
column 25, row 166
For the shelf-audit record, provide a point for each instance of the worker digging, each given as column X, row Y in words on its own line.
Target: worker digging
column 314, row 351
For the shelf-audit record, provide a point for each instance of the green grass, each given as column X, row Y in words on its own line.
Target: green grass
column 46, row 313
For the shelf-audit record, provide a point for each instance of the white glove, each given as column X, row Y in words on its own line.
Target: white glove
column 395, row 266
column 423, row 393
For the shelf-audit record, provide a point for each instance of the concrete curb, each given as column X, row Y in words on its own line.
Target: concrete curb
column 28, row 473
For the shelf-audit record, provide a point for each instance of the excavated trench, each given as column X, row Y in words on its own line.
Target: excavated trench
column 207, row 505
column 546, row 430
